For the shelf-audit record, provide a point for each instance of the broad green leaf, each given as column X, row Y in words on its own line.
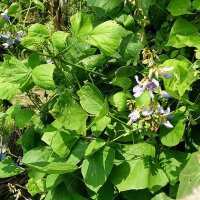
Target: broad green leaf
column 161, row 196
column 107, row 37
column 139, row 194
column 35, row 186
column 139, row 170
column 130, row 48
column 91, row 99
column 106, row 5
column 15, row 71
column 190, row 178
column 94, row 146
column 53, row 180
column 34, row 60
column 96, row 168
column 144, row 5
column 183, row 75
column 183, row 33
column 8, row 168
column 196, row 4
column 44, row 160
column 8, row 90
column 62, row 193
column 125, row 71
column 77, row 153
column 94, row 62
column 23, row 117
column 69, row 114
column 119, row 100
column 61, row 141
column 81, row 24
column 33, row 43
column 39, row 4
column 172, row 162
column 43, row 76
column 59, row 39
column 14, row 9
column 100, row 125
column 144, row 100
column 176, row 8
column 172, row 136
column 38, row 30
column 122, row 82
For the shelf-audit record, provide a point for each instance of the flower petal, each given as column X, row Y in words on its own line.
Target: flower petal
column 168, row 124
column 146, row 112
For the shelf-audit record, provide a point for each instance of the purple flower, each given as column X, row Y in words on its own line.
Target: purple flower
column 138, row 89
column 164, row 94
column 4, row 15
column 134, row 116
column 6, row 36
column 168, row 124
column 18, row 38
column 151, row 86
column 8, row 43
column 167, row 76
column 165, row 70
column 146, row 112
column 18, row 35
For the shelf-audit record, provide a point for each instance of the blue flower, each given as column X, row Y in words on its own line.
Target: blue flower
column 167, row 115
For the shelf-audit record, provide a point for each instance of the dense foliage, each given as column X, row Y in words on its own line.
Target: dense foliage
column 112, row 99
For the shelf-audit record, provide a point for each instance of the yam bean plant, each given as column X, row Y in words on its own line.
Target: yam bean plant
column 99, row 99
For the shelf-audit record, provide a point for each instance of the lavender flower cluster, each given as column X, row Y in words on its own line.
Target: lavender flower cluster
column 155, row 115
column 8, row 38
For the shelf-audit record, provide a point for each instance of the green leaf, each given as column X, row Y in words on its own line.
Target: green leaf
column 140, row 194
column 35, row 186
column 15, row 71
column 8, row 90
column 53, row 180
column 8, row 168
column 107, row 37
column 39, row 4
column 190, row 178
column 69, row 114
column 23, row 117
column 172, row 162
column 94, row 146
column 119, row 100
column 144, row 100
column 100, row 125
column 61, row 141
column 106, row 5
column 176, row 8
column 44, row 160
column 125, row 71
column 96, row 168
column 14, row 9
column 130, row 48
column 91, row 99
column 183, row 75
column 43, row 76
column 77, row 153
column 161, row 196
column 38, row 30
column 122, row 82
column 59, row 39
column 196, row 4
column 81, row 24
column 172, row 136
column 93, row 62
column 183, row 33
column 33, row 43
column 139, row 170
column 144, row 5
